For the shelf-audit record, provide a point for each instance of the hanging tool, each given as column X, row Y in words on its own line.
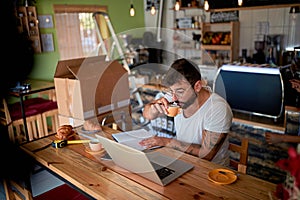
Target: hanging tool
column 62, row 143
column 114, row 37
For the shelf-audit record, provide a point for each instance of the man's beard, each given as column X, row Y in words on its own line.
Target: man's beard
column 189, row 102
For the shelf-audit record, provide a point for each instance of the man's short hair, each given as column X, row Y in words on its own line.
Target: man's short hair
column 182, row 69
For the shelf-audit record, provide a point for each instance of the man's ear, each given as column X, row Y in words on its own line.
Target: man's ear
column 198, row 86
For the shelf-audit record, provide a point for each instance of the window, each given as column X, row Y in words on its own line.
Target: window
column 76, row 30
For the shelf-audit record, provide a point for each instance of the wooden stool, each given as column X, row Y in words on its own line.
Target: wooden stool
column 14, row 190
column 15, row 122
column 50, row 112
column 53, row 115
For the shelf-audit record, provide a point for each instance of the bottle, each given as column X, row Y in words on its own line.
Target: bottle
column 244, row 55
column 270, row 58
column 193, row 22
column 197, row 45
column 226, row 58
column 197, row 24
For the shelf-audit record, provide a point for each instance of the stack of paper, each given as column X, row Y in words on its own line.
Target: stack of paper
column 132, row 138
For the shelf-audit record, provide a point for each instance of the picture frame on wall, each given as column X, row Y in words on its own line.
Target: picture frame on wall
column 45, row 21
column 47, row 42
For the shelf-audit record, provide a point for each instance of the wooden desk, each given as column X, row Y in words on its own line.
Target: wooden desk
column 104, row 180
column 35, row 87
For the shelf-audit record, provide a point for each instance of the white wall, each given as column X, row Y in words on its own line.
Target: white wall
column 277, row 18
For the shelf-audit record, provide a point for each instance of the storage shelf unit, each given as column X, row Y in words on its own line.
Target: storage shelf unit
column 232, row 48
column 184, row 43
column 28, row 23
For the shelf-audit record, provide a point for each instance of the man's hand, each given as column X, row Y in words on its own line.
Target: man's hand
column 273, row 138
column 156, row 108
column 154, row 141
column 295, row 84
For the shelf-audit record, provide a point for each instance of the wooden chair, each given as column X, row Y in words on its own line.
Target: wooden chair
column 16, row 191
column 242, row 150
column 11, row 115
column 51, row 112
column 5, row 119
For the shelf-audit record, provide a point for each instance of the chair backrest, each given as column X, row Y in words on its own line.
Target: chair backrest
column 16, row 126
column 50, row 112
column 48, row 94
column 241, row 164
column 4, row 115
column 16, row 191
column 5, row 118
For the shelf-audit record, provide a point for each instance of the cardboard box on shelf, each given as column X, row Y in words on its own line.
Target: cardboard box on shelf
column 88, row 87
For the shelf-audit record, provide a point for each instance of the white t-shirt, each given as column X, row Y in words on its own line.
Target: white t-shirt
column 215, row 115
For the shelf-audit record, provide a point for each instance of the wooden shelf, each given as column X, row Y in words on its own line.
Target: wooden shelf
column 217, row 47
column 188, row 8
column 185, row 29
column 233, row 48
column 187, row 33
column 253, row 7
column 28, row 23
column 187, row 48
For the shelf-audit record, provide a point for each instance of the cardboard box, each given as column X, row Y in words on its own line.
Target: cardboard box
column 185, row 22
column 89, row 87
column 121, row 118
column 62, row 120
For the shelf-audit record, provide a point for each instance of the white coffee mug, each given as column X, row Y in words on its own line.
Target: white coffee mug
column 95, row 146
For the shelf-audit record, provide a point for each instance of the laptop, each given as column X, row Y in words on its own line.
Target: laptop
column 154, row 166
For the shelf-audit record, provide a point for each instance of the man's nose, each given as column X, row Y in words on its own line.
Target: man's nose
column 174, row 97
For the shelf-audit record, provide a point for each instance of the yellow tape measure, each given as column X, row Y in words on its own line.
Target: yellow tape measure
column 63, row 143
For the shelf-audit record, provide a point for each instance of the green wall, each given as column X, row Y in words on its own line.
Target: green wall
column 118, row 11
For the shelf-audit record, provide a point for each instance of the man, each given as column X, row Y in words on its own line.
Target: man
column 205, row 119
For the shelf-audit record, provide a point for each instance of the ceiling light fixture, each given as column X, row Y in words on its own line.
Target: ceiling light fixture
column 294, row 9
column 240, row 2
column 131, row 11
column 177, row 5
column 152, row 10
column 206, row 5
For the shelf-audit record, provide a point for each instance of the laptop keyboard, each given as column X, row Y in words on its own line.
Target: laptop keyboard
column 161, row 171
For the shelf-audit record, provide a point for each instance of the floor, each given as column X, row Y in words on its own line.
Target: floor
column 41, row 182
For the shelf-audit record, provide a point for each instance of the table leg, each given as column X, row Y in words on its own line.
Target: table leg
column 24, row 118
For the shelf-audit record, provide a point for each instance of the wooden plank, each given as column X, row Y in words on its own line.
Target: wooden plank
column 103, row 179
column 254, row 7
column 90, row 176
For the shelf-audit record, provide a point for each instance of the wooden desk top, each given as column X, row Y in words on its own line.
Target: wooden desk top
column 104, row 180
